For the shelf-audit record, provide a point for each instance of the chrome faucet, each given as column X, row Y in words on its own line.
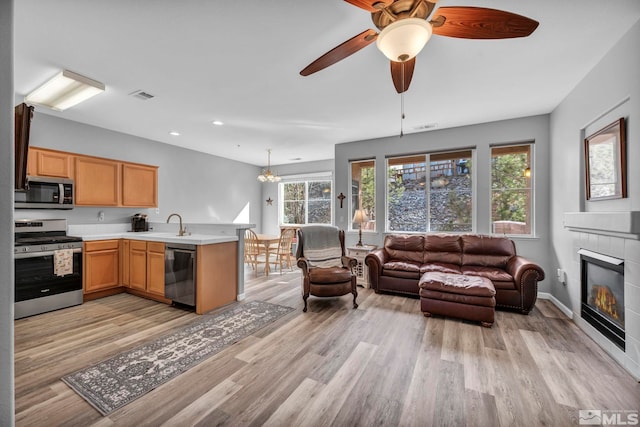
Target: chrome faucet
column 181, row 230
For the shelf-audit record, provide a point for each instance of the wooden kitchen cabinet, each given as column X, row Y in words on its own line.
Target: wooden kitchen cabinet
column 101, row 260
column 155, row 268
column 138, row 265
column 97, row 181
column 139, row 185
column 49, row 163
column 146, row 267
column 124, row 261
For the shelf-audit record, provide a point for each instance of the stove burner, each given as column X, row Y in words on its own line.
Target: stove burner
column 45, row 240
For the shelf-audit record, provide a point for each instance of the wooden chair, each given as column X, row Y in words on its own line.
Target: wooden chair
column 253, row 251
column 282, row 253
column 326, row 271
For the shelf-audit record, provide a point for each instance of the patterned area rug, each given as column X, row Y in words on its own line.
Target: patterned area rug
column 115, row 382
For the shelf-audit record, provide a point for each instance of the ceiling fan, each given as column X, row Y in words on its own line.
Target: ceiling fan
column 404, row 30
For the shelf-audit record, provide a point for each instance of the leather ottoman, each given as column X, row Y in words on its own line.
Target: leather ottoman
column 457, row 295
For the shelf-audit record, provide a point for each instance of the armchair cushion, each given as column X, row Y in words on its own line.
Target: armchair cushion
column 329, row 275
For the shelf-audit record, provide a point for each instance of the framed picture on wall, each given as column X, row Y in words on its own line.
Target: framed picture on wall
column 605, row 162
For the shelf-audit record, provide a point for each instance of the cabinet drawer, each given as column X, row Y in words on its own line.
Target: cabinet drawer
column 101, row 245
column 138, row 245
column 155, row 247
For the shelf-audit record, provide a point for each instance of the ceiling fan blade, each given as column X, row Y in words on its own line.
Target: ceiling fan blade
column 401, row 73
column 370, row 5
column 340, row 52
column 481, row 23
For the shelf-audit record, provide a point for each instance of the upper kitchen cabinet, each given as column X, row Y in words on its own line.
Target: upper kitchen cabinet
column 139, row 185
column 49, row 163
column 97, row 182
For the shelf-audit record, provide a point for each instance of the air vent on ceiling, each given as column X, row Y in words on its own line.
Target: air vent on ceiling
column 426, row 127
column 140, row 94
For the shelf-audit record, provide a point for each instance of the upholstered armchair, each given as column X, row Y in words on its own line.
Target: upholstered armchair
column 326, row 271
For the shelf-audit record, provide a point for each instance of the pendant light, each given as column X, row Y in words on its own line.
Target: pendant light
column 267, row 175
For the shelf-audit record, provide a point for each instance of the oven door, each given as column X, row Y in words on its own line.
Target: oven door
column 35, row 278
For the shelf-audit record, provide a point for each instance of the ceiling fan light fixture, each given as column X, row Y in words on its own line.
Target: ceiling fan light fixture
column 404, row 39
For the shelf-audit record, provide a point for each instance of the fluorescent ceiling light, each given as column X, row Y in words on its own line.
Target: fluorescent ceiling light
column 65, row 90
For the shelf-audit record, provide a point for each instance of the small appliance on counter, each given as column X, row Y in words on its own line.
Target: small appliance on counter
column 139, row 223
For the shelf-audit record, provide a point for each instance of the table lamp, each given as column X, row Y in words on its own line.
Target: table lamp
column 358, row 218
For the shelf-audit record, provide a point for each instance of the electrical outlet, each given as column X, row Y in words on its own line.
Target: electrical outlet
column 101, row 216
column 157, row 211
column 562, row 276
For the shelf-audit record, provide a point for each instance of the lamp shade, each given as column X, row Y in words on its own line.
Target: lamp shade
column 65, row 90
column 360, row 216
column 404, row 39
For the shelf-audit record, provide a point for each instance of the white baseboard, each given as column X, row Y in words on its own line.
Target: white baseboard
column 563, row 308
column 241, row 296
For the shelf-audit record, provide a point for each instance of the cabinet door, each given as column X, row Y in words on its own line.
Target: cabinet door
column 55, row 164
column 101, row 265
column 139, row 185
column 97, row 182
column 49, row 163
column 138, row 265
column 155, row 268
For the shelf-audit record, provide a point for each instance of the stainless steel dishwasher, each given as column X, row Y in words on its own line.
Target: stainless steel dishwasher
column 180, row 273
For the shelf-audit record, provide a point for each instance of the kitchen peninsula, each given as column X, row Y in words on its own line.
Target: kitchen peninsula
column 116, row 260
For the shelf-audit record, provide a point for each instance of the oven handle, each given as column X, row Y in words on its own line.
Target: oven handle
column 38, row 254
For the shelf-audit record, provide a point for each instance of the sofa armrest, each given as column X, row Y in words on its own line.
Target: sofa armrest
column 518, row 266
column 526, row 275
column 375, row 260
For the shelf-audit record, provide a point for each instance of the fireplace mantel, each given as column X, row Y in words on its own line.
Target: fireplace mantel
column 618, row 224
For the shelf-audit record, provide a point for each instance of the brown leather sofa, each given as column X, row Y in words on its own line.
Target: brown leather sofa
column 398, row 266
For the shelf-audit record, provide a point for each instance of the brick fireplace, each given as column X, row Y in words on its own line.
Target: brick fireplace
column 604, row 281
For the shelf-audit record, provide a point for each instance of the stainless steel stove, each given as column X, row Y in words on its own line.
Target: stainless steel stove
column 48, row 267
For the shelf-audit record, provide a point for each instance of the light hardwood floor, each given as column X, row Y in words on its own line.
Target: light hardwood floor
column 382, row 364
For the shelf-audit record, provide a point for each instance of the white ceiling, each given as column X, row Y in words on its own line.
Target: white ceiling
column 238, row 61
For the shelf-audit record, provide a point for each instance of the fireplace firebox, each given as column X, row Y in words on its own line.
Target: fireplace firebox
column 603, row 294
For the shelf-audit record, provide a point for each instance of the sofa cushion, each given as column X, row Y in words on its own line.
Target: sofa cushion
column 329, row 275
column 404, row 269
column 440, row 267
column 491, row 273
column 487, row 251
column 443, row 248
column 404, row 247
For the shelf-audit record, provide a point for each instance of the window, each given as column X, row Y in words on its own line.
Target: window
column 306, row 202
column 363, row 192
column 430, row 192
column 511, row 192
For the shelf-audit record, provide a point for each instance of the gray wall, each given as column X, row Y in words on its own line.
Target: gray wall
column 480, row 137
column 270, row 223
column 6, row 214
column 609, row 91
column 200, row 187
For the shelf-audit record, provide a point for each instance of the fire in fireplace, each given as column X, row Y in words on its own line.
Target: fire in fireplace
column 603, row 294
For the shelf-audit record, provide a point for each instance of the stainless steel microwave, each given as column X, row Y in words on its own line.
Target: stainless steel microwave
column 45, row 193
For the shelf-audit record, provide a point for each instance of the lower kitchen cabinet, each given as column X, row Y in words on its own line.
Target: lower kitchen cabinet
column 101, row 265
column 146, row 267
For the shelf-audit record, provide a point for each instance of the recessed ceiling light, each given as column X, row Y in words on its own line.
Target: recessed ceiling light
column 217, row 122
column 174, row 133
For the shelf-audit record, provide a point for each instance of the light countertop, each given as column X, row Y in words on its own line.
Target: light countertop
column 190, row 239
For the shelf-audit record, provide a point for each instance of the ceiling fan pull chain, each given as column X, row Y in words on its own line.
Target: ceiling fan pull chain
column 402, row 103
